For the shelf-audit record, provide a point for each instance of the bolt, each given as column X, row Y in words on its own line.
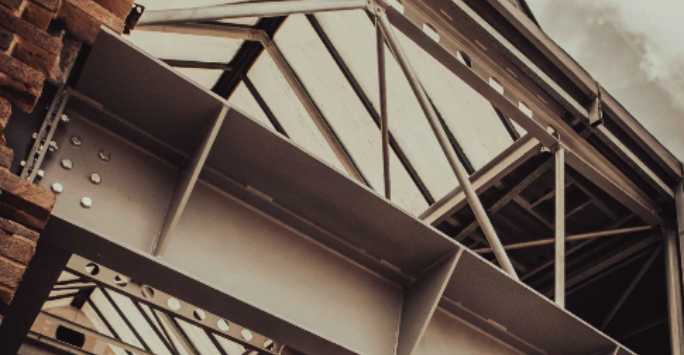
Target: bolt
column 53, row 147
column 86, row 202
column 76, row 141
column 41, row 173
column 67, row 164
column 104, row 155
column 22, row 163
column 95, row 178
column 34, row 135
column 65, row 118
column 57, row 188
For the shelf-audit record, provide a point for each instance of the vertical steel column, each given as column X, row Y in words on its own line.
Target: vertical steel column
column 461, row 174
column 679, row 207
column 674, row 292
column 41, row 273
column 560, row 228
column 384, row 128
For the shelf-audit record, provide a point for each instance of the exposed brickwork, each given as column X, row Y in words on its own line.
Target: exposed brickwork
column 17, row 248
column 84, row 18
column 32, row 51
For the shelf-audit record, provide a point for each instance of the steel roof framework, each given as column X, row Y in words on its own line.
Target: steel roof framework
column 532, row 106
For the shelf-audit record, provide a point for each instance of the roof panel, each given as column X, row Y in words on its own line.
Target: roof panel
column 343, row 110
column 278, row 95
column 353, row 35
column 468, row 115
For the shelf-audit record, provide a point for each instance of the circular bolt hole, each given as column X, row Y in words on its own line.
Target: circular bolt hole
column 57, row 188
column 147, row 291
column 86, row 202
column 95, row 178
column 120, row 281
column 222, row 325
column 92, row 269
column 67, row 164
column 246, row 334
column 199, row 314
column 173, row 304
column 76, row 141
column 104, row 155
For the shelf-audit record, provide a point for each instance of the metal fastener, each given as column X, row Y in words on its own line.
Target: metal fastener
column 86, row 202
column 57, row 187
column 53, row 147
column 76, row 141
column 41, row 173
column 22, row 163
column 104, row 155
column 67, row 164
column 65, row 118
column 95, row 178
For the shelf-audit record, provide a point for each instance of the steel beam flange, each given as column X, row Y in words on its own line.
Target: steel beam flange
column 166, row 303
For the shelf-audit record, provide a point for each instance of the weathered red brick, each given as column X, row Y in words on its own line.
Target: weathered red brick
column 7, row 40
column 13, row 5
column 6, row 294
column 5, row 111
column 9, row 210
column 26, row 191
column 120, row 8
column 20, row 83
column 17, row 248
column 84, row 18
column 13, row 227
column 28, row 32
column 38, row 58
column 38, row 15
column 6, row 156
column 52, row 5
column 11, row 272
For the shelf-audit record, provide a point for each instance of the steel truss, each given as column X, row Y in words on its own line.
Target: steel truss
column 402, row 285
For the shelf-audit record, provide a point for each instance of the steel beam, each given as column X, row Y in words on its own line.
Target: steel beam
column 370, row 108
column 90, row 332
column 188, row 181
column 384, row 127
column 581, row 156
column 521, row 151
column 220, row 30
column 39, row 277
column 421, row 302
column 248, row 9
column 193, row 64
column 559, row 242
column 679, row 210
column 340, row 151
column 452, row 158
column 572, row 238
column 674, row 292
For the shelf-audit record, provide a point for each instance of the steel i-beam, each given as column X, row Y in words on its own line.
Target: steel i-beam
column 674, row 292
column 560, row 228
column 248, row 9
column 452, row 158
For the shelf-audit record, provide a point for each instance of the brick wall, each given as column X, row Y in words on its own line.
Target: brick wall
column 37, row 38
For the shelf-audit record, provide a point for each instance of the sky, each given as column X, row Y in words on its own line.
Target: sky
column 636, row 51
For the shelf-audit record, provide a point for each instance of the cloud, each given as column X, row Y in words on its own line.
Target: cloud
column 634, row 48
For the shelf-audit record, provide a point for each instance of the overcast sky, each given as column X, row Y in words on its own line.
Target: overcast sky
column 634, row 48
